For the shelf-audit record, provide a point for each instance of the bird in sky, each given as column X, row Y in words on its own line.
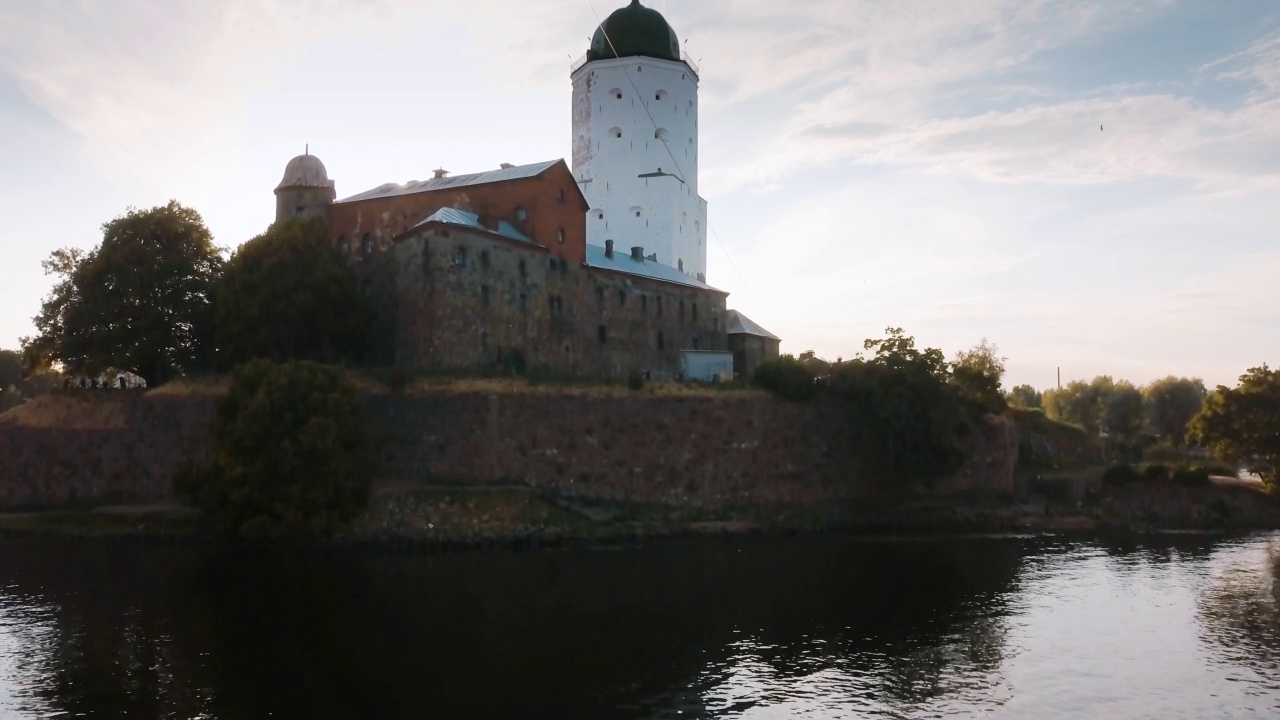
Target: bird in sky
column 1099, row 128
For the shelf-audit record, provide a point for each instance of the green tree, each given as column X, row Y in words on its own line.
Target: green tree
column 286, row 458
column 1081, row 403
column 786, row 377
column 289, row 294
column 1122, row 411
column 1242, row 424
column 908, row 420
column 1025, row 396
column 978, row 373
column 141, row 301
column 1171, row 402
column 10, row 369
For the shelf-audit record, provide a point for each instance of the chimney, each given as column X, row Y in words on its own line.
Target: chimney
column 441, row 172
column 506, row 166
column 608, row 249
column 637, row 253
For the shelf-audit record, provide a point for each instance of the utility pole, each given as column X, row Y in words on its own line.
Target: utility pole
column 1059, row 377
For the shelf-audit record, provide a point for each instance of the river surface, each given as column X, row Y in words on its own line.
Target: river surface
column 728, row 627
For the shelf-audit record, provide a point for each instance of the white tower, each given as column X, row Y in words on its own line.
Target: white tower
column 635, row 140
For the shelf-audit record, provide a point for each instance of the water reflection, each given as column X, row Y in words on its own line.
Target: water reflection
column 718, row 627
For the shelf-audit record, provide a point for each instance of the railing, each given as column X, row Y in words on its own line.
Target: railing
column 684, row 58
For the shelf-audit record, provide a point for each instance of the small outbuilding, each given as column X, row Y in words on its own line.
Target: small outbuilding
column 749, row 343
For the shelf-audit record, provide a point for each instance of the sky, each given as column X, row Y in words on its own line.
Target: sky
column 1090, row 185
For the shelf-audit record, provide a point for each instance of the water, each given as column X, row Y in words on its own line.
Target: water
column 818, row 627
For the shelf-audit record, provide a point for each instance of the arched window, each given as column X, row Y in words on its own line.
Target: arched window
column 615, row 133
column 366, row 244
column 459, row 256
column 660, row 95
column 560, row 235
column 616, row 93
column 521, row 213
column 344, row 245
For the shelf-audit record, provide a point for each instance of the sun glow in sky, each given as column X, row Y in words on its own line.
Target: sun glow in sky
column 936, row 166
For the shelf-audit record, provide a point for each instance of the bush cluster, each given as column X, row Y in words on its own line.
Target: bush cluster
column 286, row 458
column 786, row 377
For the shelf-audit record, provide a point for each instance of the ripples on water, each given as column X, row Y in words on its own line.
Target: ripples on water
column 1172, row 627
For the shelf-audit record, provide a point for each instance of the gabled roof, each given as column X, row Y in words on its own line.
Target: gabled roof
column 622, row 262
column 516, row 172
column 454, row 216
column 738, row 324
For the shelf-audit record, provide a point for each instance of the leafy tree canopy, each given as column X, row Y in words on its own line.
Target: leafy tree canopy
column 1171, row 402
column 1081, row 403
column 1242, row 424
column 1025, row 396
column 908, row 420
column 141, row 301
column 10, row 369
column 978, row 373
column 1122, row 411
column 286, row 453
column 289, row 294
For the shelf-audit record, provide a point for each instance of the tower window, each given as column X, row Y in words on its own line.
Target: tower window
column 521, row 214
column 366, row 243
column 644, row 303
column 344, row 244
column 561, row 194
column 603, row 334
column 484, row 260
column 459, row 256
column 524, row 270
column 622, row 298
column 560, row 235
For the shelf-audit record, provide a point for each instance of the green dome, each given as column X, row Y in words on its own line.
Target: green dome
column 634, row 30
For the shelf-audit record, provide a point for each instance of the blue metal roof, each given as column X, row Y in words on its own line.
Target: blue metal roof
column 503, row 174
column 738, row 324
column 624, row 263
column 454, row 216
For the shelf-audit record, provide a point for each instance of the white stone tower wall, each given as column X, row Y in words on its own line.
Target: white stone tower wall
column 672, row 222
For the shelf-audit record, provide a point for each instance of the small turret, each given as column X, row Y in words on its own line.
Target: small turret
column 305, row 191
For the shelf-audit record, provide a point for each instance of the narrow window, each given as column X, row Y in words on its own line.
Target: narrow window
column 484, row 296
column 600, row 294
column 521, row 214
column 524, row 270
column 484, row 260
column 524, row 303
column 564, row 266
column 561, row 194
column 622, row 298
column 695, row 342
column 551, row 264
column 644, row 303
column 694, row 310
column 459, row 256
column 560, row 235
column 602, row 334
column 600, row 216
column 657, row 306
column 715, row 324
column 661, row 344
column 681, row 309
column 366, row 243
column 344, row 245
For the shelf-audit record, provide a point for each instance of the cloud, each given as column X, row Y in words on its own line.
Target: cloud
column 1258, row 65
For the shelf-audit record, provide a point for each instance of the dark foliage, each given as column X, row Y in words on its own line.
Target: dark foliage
column 142, row 301
column 1121, row 474
column 785, row 377
column 286, row 459
column 1242, row 424
column 289, row 294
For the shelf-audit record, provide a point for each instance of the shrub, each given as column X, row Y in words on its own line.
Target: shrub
column 785, row 377
column 635, row 381
column 1120, row 474
column 1155, row 473
column 285, row 459
column 1191, row 477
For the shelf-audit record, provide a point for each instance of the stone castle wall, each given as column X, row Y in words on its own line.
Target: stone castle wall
column 701, row 451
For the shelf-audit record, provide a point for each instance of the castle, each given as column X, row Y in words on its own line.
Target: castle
column 596, row 271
